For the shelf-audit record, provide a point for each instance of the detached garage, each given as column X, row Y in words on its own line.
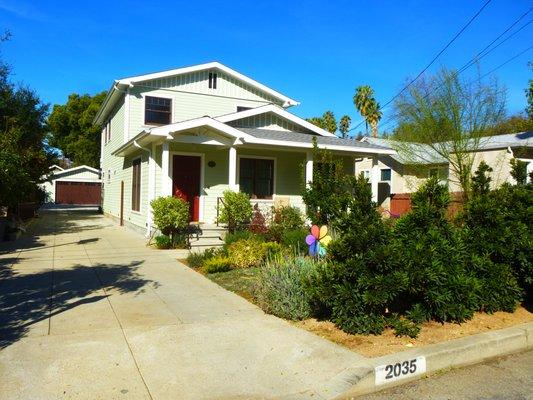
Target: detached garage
column 79, row 185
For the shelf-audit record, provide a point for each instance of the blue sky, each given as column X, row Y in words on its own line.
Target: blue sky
column 314, row 51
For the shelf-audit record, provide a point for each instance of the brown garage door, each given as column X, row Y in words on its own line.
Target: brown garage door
column 78, row 193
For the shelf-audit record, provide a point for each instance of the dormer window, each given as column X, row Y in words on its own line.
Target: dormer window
column 157, row 110
column 212, row 80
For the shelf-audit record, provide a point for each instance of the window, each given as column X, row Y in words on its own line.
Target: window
column 256, row 177
column 136, row 185
column 386, row 175
column 240, row 108
column 439, row 172
column 157, row 111
column 212, row 80
column 109, row 131
column 366, row 173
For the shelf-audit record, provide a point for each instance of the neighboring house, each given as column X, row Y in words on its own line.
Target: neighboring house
column 399, row 175
column 78, row 185
column 201, row 130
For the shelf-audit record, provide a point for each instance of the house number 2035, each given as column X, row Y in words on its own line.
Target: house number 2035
column 400, row 370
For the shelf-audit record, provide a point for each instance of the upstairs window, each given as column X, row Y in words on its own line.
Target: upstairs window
column 212, row 80
column 256, row 177
column 386, row 175
column 157, row 111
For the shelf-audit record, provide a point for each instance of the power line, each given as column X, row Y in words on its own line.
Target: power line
column 434, row 58
column 392, row 117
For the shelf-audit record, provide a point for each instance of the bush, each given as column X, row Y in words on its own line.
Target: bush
column 247, row 253
column 218, row 263
column 295, row 240
column 195, row 260
column 285, row 219
column 163, row 242
column 171, row 215
column 236, row 210
column 258, row 223
column 497, row 227
column 240, row 235
column 280, row 289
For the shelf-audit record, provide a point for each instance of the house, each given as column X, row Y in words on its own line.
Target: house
column 400, row 174
column 198, row 131
column 78, row 185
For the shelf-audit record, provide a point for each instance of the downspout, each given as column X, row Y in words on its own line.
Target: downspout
column 150, row 179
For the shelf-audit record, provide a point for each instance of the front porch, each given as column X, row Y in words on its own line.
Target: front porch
column 200, row 159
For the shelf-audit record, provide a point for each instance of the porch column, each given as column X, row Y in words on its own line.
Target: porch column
column 374, row 178
column 232, row 172
column 151, row 188
column 308, row 168
column 166, row 180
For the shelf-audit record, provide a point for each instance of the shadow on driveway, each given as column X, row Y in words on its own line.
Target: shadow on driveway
column 28, row 298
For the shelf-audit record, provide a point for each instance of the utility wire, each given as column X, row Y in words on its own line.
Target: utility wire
column 392, row 117
column 434, row 58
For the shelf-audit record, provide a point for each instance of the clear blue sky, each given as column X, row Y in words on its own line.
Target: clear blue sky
column 316, row 52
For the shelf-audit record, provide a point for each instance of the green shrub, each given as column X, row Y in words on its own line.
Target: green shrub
column 284, row 219
column 247, row 253
column 280, row 289
column 171, row 215
column 295, row 240
column 497, row 225
column 218, row 263
column 195, row 260
column 271, row 249
column 163, row 242
column 240, row 235
column 236, row 210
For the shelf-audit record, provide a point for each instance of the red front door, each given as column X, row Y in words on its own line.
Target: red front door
column 186, row 182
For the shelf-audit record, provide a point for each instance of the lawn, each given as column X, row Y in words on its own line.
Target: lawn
column 239, row 281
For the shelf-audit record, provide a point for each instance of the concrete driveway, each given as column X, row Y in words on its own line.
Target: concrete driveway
column 87, row 311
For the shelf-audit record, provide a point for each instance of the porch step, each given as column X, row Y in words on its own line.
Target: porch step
column 205, row 243
column 208, row 236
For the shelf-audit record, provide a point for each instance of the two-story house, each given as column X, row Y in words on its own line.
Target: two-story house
column 201, row 130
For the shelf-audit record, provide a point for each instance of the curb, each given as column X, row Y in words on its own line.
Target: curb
column 437, row 357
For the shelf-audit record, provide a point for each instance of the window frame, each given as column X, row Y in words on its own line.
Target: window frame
column 381, row 175
column 136, row 186
column 274, row 171
column 212, row 80
column 171, row 113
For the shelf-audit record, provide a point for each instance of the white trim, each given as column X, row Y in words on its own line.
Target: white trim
column 279, row 112
column 56, row 166
column 309, row 165
column 144, row 96
column 126, row 128
column 140, row 186
column 274, row 186
column 166, row 180
column 202, row 177
column 211, row 65
column 91, row 169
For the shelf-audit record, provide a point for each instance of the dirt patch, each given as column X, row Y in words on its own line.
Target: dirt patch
column 431, row 332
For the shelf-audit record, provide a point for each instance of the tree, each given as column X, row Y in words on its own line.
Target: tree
column 365, row 103
column 449, row 117
column 327, row 121
column 513, row 124
column 373, row 117
column 344, row 126
column 24, row 157
column 72, row 129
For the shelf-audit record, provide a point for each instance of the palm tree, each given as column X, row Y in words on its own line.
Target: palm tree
column 362, row 99
column 374, row 115
column 344, row 126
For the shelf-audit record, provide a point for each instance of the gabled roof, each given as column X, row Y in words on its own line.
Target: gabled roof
column 425, row 154
column 271, row 108
column 67, row 171
column 119, row 85
column 56, row 167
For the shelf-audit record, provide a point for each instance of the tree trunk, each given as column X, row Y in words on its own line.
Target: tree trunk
column 374, row 127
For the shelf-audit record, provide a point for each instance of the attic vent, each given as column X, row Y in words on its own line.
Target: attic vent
column 212, row 80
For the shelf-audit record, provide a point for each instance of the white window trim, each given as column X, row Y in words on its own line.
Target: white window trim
column 202, row 176
column 275, row 177
column 144, row 96
column 381, row 180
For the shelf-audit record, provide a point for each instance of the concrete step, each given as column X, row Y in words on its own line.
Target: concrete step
column 206, row 242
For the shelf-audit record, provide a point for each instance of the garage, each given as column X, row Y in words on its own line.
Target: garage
column 78, row 185
column 77, row 193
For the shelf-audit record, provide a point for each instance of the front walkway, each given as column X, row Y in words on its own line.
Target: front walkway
column 87, row 311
